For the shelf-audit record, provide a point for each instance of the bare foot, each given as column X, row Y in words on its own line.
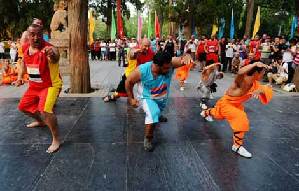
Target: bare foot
column 53, row 147
column 36, row 124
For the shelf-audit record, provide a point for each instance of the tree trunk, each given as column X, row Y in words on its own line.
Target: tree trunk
column 80, row 74
column 297, row 7
column 249, row 17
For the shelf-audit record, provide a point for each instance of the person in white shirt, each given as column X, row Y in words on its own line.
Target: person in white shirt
column 287, row 57
column 2, row 50
column 13, row 51
column 229, row 56
column 282, row 73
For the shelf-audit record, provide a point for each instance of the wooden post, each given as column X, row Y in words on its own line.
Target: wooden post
column 249, row 17
column 78, row 21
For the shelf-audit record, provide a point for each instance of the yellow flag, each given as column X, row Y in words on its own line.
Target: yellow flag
column 91, row 22
column 257, row 22
column 214, row 29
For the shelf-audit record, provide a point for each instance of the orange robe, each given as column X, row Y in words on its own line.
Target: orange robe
column 182, row 72
column 232, row 109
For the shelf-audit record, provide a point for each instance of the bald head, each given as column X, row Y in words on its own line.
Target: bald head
column 145, row 45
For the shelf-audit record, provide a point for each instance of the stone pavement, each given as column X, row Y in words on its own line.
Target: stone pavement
column 102, row 147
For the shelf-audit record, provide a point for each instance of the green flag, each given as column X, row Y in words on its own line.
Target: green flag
column 149, row 28
column 113, row 28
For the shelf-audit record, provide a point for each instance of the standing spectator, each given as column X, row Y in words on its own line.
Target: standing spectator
column 122, row 44
column 222, row 45
column 254, row 47
column 275, row 49
column 191, row 44
column 103, row 50
column 243, row 50
column 212, row 49
column 92, row 51
column 13, row 51
column 112, row 50
column 200, row 53
column 170, row 45
column 97, row 49
column 107, row 50
column 154, row 45
column 229, row 56
column 266, row 50
column 287, row 57
column 2, row 50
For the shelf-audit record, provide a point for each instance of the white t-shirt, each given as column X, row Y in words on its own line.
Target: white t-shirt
column 283, row 72
column 287, row 56
column 112, row 47
column 1, row 47
column 229, row 51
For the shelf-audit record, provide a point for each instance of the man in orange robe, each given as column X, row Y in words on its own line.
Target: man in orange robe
column 230, row 106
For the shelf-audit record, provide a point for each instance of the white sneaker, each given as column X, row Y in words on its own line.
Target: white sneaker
column 241, row 151
column 207, row 117
column 203, row 106
column 182, row 88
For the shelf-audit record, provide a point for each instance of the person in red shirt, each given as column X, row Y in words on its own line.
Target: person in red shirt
column 212, row 49
column 41, row 62
column 200, row 53
column 254, row 47
column 145, row 54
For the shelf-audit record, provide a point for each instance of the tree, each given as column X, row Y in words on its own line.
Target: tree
column 78, row 20
column 104, row 8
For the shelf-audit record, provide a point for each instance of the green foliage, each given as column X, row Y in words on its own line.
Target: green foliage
column 15, row 15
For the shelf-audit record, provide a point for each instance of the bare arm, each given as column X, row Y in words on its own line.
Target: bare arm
column 181, row 61
column 132, row 79
column 247, row 68
column 52, row 54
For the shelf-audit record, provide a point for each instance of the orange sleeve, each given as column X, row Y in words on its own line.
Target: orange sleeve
column 266, row 97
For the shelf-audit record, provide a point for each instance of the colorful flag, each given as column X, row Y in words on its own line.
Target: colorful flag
column 139, row 29
column 91, row 23
column 232, row 26
column 119, row 20
column 221, row 29
column 294, row 26
column 113, row 27
column 157, row 26
column 150, row 27
column 257, row 22
column 214, row 29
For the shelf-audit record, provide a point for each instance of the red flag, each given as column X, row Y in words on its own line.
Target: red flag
column 119, row 20
column 139, row 29
column 157, row 26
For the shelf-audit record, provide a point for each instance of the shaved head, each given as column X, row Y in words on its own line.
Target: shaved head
column 145, row 45
column 145, row 42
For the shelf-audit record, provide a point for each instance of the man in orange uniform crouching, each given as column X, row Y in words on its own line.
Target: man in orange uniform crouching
column 230, row 106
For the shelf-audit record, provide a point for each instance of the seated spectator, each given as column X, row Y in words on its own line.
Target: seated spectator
column 236, row 62
column 10, row 73
column 279, row 73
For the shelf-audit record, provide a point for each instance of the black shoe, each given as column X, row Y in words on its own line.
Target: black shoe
column 148, row 145
column 162, row 119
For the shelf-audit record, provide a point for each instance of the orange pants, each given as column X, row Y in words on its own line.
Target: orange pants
column 182, row 72
column 231, row 109
column 236, row 117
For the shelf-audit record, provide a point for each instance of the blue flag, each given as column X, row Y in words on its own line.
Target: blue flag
column 294, row 26
column 232, row 26
column 221, row 28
